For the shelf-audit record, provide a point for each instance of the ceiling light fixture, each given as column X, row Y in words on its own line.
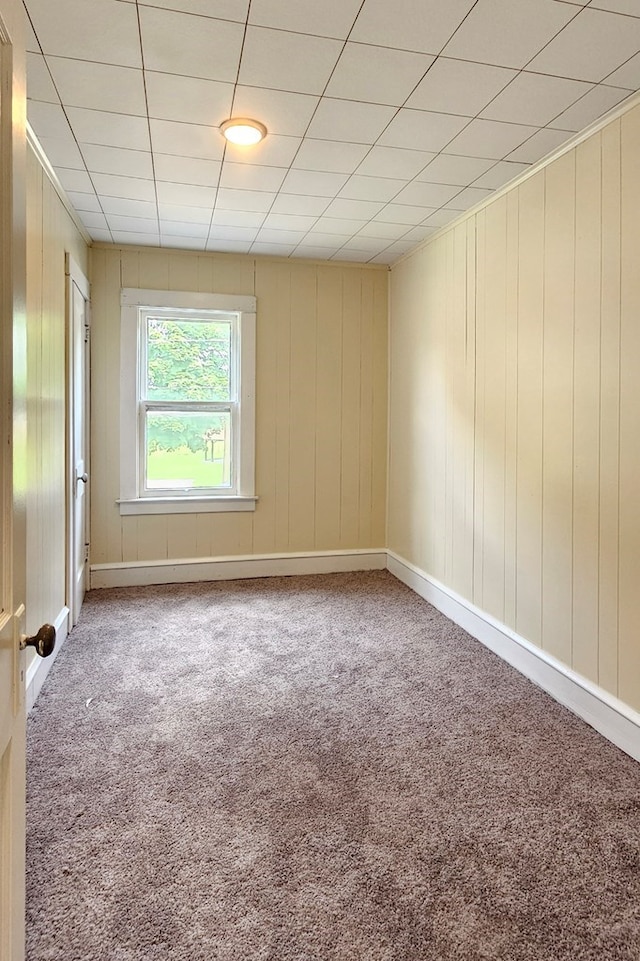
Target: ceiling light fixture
column 242, row 131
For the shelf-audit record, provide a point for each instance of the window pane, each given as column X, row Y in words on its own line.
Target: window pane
column 188, row 360
column 188, row 450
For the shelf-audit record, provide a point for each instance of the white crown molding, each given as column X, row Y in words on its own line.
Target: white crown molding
column 43, row 160
column 618, row 111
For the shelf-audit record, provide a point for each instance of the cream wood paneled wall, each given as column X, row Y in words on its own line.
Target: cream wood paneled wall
column 50, row 234
column 321, row 407
column 514, row 408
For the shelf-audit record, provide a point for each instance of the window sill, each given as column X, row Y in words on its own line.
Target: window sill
column 185, row 505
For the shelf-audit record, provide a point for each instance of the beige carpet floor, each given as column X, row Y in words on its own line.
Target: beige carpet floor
column 316, row 769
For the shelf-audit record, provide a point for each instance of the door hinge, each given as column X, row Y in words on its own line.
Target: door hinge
column 86, row 553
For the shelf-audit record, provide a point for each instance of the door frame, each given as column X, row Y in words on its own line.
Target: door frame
column 75, row 275
column 14, row 478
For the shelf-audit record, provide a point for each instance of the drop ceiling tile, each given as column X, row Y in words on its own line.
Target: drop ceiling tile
column 32, row 44
column 459, row 86
column 630, row 7
column 331, row 18
column 251, row 176
column 289, row 222
column 75, row 180
column 101, row 30
column 427, row 195
column 508, row 33
column 181, row 212
column 222, row 9
column 94, row 221
column 272, row 236
column 188, row 228
column 468, row 197
column 187, row 170
column 422, row 130
column 256, row 200
column 440, row 218
column 377, row 74
column 500, row 174
column 371, row 188
column 336, row 227
column 129, row 188
column 280, row 111
column 62, row 153
column 353, row 209
column 103, row 236
column 328, row 241
column 353, row 256
column 628, row 75
column 535, row 99
column 110, row 129
column 237, row 218
column 115, row 160
column 188, row 195
column 382, row 231
column 224, row 232
column 272, row 250
column 316, row 183
column 188, row 99
column 273, row 151
column 591, row 46
column 490, row 139
column 186, row 140
column 329, row 155
column 371, row 245
column 387, row 258
column 180, row 242
column 287, row 61
column 297, row 205
column 349, row 121
column 132, row 239
column 133, row 224
column 39, row 83
column 394, row 162
column 99, row 86
column 400, row 214
column 192, row 46
column 423, row 25
column 229, row 246
column 313, row 252
column 119, row 206
column 395, row 251
column 418, row 234
column 48, row 120
column 450, row 169
column 540, row 145
column 88, row 202
column 592, row 106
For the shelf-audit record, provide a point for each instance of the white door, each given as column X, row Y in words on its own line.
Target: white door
column 13, row 480
column 78, row 293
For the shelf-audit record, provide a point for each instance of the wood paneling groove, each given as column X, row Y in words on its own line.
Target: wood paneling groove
column 321, row 389
column 542, row 528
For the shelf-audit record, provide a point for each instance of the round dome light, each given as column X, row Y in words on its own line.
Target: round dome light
column 243, row 131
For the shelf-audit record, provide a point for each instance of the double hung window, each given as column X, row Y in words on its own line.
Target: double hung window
column 187, row 402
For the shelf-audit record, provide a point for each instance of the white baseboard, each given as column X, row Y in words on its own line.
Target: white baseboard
column 184, row 571
column 40, row 666
column 614, row 719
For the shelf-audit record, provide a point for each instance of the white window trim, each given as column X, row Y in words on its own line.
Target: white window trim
column 130, row 501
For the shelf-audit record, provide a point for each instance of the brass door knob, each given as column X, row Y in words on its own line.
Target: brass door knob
column 44, row 641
